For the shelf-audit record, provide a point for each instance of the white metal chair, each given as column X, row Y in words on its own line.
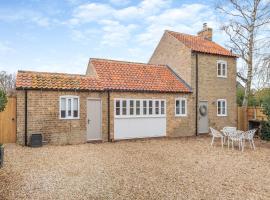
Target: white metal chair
column 249, row 135
column 236, row 136
column 216, row 134
column 227, row 131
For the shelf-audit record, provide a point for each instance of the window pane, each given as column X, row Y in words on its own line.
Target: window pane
column 150, row 107
column 157, row 107
column 219, row 107
column 124, row 107
column 117, row 107
column 177, row 107
column 63, row 107
column 183, row 107
column 145, row 107
column 162, row 107
column 223, row 107
column 69, row 107
column 224, row 70
column 137, row 107
column 131, row 107
column 219, row 69
column 75, row 107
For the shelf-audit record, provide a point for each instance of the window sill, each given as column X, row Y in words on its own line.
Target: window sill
column 69, row 118
column 222, row 76
column 222, row 115
column 180, row 115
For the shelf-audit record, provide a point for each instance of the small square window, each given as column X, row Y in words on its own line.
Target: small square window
column 69, row 107
column 181, row 107
column 221, row 107
column 221, row 68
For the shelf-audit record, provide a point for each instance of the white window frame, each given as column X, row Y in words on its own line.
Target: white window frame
column 141, row 115
column 222, row 62
column 67, row 97
column 226, row 108
column 180, row 106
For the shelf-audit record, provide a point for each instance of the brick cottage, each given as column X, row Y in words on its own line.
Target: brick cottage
column 188, row 85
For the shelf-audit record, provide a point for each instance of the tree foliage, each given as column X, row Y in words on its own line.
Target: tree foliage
column 248, row 31
column 3, row 100
column 7, row 83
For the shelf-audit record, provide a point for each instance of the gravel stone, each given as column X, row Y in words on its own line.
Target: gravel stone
column 181, row 168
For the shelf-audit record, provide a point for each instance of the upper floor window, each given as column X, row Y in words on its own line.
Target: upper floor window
column 221, row 107
column 139, row 108
column 181, row 107
column 222, row 69
column 69, row 107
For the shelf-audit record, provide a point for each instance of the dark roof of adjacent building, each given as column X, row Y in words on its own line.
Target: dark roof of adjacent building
column 110, row 75
column 199, row 44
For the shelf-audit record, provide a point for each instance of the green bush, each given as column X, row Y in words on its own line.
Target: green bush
column 265, row 132
column 3, row 100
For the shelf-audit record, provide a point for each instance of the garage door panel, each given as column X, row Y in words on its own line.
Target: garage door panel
column 126, row 128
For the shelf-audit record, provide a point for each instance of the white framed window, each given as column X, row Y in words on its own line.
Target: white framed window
column 222, row 68
column 69, row 107
column 181, row 107
column 124, row 108
column 221, row 107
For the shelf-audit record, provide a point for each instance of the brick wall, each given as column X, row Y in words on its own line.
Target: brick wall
column 212, row 88
column 43, row 116
column 173, row 53
column 176, row 126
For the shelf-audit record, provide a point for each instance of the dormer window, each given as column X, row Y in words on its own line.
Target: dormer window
column 221, row 69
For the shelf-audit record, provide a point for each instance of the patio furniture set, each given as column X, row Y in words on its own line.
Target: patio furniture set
column 232, row 136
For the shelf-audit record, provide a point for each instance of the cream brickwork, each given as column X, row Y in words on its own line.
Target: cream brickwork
column 176, row 126
column 173, row 53
column 43, row 117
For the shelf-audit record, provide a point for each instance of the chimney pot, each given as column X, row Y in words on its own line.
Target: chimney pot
column 206, row 32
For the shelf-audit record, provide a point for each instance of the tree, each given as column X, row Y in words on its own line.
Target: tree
column 7, row 83
column 247, row 31
column 3, row 100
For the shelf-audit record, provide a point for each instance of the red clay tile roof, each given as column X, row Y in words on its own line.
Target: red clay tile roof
column 120, row 75
column 58, row 81
column 199, row 44
column 111, row 75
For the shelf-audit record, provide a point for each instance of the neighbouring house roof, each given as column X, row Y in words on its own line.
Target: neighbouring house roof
column 199, row 44
column 57, row 81
column 110, row 75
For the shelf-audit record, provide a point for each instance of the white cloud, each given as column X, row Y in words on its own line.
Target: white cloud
column 115, row 33
column 120, row 2
column 28, row 16
column 91, row 12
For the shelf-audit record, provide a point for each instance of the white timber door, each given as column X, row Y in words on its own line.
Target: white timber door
column 203, row 117
column 93, row 120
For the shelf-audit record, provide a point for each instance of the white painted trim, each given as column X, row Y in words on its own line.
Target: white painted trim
column 153, row 115
column 180, row 104
column 72, row 98
column 226, row 68
column 226, row 107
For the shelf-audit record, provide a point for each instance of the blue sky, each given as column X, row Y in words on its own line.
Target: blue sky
column 61, row 35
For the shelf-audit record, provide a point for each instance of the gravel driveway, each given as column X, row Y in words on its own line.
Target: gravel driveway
column 185, row 168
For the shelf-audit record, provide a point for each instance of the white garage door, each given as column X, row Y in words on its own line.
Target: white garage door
column 139, row 118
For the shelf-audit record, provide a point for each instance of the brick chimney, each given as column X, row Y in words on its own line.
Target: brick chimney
column 206, row 32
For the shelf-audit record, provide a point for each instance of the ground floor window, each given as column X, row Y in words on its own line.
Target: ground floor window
column 221, row 107
column 181, row 107
column 69, row 107
column 140, row 107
